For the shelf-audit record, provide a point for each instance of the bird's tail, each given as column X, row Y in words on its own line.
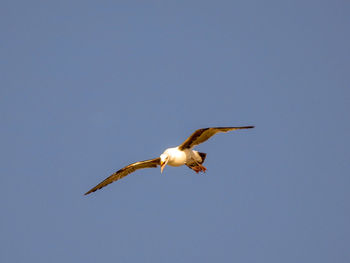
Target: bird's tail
column 202, row 155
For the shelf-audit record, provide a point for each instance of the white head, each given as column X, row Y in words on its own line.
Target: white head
column 164, row 159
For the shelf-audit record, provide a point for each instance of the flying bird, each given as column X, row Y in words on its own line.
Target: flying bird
column 176, row 156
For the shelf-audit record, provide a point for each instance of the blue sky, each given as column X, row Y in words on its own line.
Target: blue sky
column 88, row 87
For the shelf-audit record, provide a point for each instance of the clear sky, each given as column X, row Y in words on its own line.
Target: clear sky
column 88, row 87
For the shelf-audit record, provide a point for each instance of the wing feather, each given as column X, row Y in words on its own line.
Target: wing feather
column 201, row 135
column 125, row 171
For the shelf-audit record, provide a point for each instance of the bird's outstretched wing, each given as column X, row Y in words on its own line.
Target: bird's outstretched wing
column 125, row 171
column 201, row 135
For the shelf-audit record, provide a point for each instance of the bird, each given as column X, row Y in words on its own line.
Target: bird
column 175, row 156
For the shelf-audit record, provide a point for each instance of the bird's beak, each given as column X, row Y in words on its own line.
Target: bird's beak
column 162, row 165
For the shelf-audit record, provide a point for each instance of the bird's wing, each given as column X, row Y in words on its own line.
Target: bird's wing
column 201, row 135
column 125, row 171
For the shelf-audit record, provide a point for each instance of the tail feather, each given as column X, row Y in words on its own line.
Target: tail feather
column 202, row 155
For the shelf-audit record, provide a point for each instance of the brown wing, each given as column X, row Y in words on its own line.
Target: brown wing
column 204, row 134
column 125, row 171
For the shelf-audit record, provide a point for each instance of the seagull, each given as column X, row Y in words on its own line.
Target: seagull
column 176, row 156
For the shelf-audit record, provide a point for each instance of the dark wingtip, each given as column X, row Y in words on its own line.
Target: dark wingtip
column 90, row 191
column 245, row 127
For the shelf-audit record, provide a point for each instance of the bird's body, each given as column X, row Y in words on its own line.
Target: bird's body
column 175, row 156
column 179, row 157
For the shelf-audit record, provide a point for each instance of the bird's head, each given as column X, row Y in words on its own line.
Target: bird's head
column 164, row 158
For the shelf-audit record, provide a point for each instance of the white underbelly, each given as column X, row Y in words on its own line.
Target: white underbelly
column 178, row 160
column 178, row 157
